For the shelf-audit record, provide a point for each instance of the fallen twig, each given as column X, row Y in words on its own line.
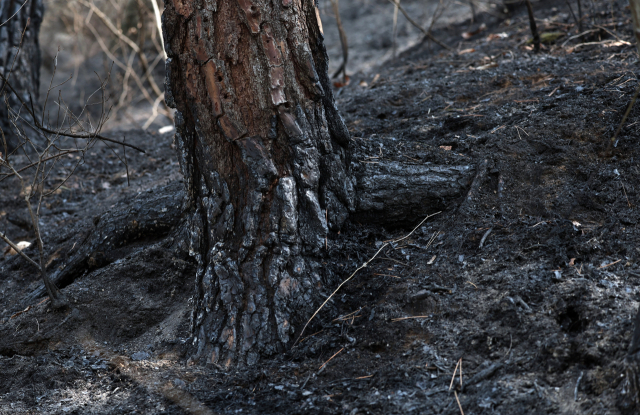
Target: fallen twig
column 613, row 140
column 458, row 365
column 609, row 264
column 325, row 363
column 484, row 237
column 575, row 392
column 458, row 400
column 407, row 318
column 364, row 265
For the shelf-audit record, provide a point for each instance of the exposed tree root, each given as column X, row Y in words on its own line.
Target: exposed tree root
column 389, row 193
column 149, row 215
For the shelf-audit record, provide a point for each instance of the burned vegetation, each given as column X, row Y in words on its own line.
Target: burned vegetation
column 517, row 294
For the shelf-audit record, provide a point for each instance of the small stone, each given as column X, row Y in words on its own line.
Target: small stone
column 140, row 356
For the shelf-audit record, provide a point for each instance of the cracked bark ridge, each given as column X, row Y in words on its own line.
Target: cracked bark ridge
column 263, row 152
column 24, row 73
column 149, row 215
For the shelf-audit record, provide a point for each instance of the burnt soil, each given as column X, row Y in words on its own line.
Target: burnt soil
column 533, row 286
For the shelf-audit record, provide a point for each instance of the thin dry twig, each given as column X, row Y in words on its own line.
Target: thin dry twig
column 458, row 400
column 118, row 32
column 125, row 42
column 427, row 33
column 609, row 264
column 484, row 237
column 41, row 159
column 453, row 377
column 325, row 363
column 408, row 318
column 613, row 140
column 364, row 265
column 18, row 250
column 44, row 129
column 14, row 14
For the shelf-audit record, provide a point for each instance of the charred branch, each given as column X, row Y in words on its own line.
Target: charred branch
column 534, row 27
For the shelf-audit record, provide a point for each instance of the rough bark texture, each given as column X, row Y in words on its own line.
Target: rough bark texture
column 23, row 70
column 263, row 150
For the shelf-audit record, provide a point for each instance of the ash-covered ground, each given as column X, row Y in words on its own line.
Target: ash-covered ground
column 531, row 286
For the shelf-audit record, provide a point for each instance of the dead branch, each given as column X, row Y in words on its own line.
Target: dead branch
column 534, row 27
column 427, row 33
column 42, row 159
column 63, row 133
column 118, row 33
column 343, row 43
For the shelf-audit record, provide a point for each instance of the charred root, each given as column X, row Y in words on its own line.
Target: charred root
column 393, row 193
column 149, row 216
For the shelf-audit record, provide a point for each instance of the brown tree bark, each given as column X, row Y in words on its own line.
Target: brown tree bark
column 19, row 58
column 263, row 151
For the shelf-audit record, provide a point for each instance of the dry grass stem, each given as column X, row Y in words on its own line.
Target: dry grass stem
column 453, row 377
column 458, row 400
column 325, row 363
column 609, row 264
column 364, row 265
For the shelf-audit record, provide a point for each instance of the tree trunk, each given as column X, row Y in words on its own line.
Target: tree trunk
column 263, row 151
column 19, row 36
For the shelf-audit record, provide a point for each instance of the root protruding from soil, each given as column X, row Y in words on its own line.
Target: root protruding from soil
column 149, row 215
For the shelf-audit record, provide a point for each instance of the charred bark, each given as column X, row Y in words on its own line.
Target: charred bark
column 19, row 60
column 387, row 193
column 149, row 216
column 394, row 193
column 263, row 152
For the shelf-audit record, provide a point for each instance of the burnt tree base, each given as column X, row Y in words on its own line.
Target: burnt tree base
column 388, row 193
